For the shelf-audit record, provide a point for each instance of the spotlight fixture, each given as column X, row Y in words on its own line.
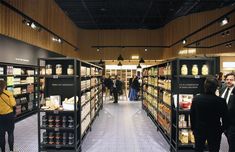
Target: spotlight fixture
column 228, row 45
column 224, row 21
column 26, row 22
column 97, row 49
column 138, row 66
column 56, row 40
column 119, row 63
column 31, row 24
column 184, row 41
column 120, row 58
column 141, row 60
column 145, row 49
column 101, row 62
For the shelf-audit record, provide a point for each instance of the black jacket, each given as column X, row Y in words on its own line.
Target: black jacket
column 231, row 108
column 231, row 95
column 118, row 86
column 135, row 84
column 206, row 112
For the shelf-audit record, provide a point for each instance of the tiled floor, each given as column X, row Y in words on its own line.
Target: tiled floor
column 122, row 127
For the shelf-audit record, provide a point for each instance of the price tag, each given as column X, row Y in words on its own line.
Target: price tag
column 197, row 76
column 55, row 76
column 56, row 112
column 58, row 146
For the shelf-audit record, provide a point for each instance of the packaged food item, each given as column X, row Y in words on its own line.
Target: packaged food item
column 191, row 137
column 42, row 71
column 70, row 70
column 184, row 69
column 58, row 70
column 184, row 136
column 48, row 69
column 205, row 70
column 194, row 70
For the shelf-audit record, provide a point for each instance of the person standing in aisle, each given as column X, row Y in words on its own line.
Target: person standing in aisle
column 116, row 88
column 130, row 83
column 7, row 116
column 227, row 93
column 135, row 87
column 231, row 130
column 108, row 86
column 206, row 113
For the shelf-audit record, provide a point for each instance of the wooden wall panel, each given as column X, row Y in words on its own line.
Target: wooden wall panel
column 11, row 25
column 120, row 37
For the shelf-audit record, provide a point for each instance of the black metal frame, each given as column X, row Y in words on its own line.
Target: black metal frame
column 176, row 79
column 76, row 87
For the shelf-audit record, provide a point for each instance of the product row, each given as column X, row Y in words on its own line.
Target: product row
column 57, row 121
column 57, row 69
column 58, row 138
column 10, row 70
column 55, row 103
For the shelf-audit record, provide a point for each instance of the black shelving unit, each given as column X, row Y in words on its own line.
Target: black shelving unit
column 163, row 84
column 22, row 81
column 64, row 128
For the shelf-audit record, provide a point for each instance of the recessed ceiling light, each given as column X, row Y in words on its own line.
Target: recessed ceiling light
column 97, row 49
column 184, row 41
column 145, row 49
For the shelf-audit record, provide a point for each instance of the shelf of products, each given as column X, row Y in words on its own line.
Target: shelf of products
column 173, row 84
column 67, row 89
column 22, row 82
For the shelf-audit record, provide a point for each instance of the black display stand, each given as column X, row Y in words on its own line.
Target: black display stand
column 64, row 128
column 163, row 89
column 22, row 81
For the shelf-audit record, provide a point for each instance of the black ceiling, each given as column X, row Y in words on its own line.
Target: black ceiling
column 133, row 14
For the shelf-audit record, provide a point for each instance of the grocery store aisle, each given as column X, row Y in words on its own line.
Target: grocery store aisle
column 124, row 127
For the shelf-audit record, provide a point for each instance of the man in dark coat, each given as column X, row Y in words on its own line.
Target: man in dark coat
column 207, row 112
column 116, row 88
column 227, row 93
column 231, row 130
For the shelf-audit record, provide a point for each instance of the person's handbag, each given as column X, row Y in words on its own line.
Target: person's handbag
column 12, row 107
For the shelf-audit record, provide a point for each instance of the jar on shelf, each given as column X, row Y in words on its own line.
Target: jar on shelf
column 205, row 70
column 58, row 70
column 48, row 69
column 184, row 69
column 194, row 70
column 42, row 71
column 70, row 70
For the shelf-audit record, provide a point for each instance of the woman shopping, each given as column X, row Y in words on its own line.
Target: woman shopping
column 7, row 117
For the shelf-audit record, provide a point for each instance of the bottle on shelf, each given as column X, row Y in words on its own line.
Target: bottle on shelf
column 205, row 70
column 184, row 69
column 195, row 70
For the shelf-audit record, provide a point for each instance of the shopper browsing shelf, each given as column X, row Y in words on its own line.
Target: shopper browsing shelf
column 228, row 93
column 207, row 112
column 7, row 116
